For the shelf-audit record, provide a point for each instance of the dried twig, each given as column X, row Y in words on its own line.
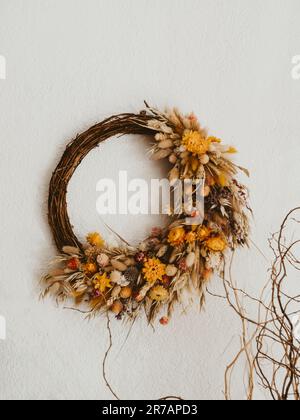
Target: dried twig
column 273, row 349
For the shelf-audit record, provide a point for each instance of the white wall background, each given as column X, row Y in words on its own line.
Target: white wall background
column 71, row 63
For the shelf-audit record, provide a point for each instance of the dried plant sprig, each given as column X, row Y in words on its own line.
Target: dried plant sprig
column 271, row 341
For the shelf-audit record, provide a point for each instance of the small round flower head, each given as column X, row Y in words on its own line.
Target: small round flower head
column 216, row 244
column 176, row 236
column 158, row 293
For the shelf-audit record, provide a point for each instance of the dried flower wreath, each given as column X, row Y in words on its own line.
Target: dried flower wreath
column 155, row 275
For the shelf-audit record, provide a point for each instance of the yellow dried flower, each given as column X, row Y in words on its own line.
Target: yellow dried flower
column 95, row 239
column 232, row 150
column 216, row 244
column 158, row 293
column 154, row 270
column 195, row 143
column 203, row 233
column 191, row 237
column 176, row 236
column 102, row 282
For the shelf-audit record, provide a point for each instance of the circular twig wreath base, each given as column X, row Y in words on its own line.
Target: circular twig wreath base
column 183, row 257
column 75, row 152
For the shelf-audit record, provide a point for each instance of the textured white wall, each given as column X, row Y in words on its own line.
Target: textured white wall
column 69, row 64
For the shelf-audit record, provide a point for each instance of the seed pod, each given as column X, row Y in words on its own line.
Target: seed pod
column 55, row 288
column 165, row 144
column 126, row 292
column 174, row 256
column 166, row 129
column 206, row 191
column 142, row 293
column 116, row 291
column 204, row 159
column 117, row 307
column 174, row 175
column 203, row 252
column 184, row 161
column 187, row 123
column 184, row 155
column 71, row 250
column 162, row 251
column 195, row 164
column 171, row 270
column 190, row 259
column 129, row 262
column 161, row 154
column 160, row 137
column 57, row 272
column 118, row 265
column 131, row 274
column 173, row 159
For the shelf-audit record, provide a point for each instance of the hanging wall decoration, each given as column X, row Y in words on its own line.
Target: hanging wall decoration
column 155, row 276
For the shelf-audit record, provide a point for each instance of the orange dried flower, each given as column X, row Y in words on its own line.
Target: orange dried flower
column 154, row 270
column 73, row 264
column 195, row 143
column 203, row 233
column 176, row 236
column 95, row 239
column 164, row 320
column 90, row 268
column 216, row 244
